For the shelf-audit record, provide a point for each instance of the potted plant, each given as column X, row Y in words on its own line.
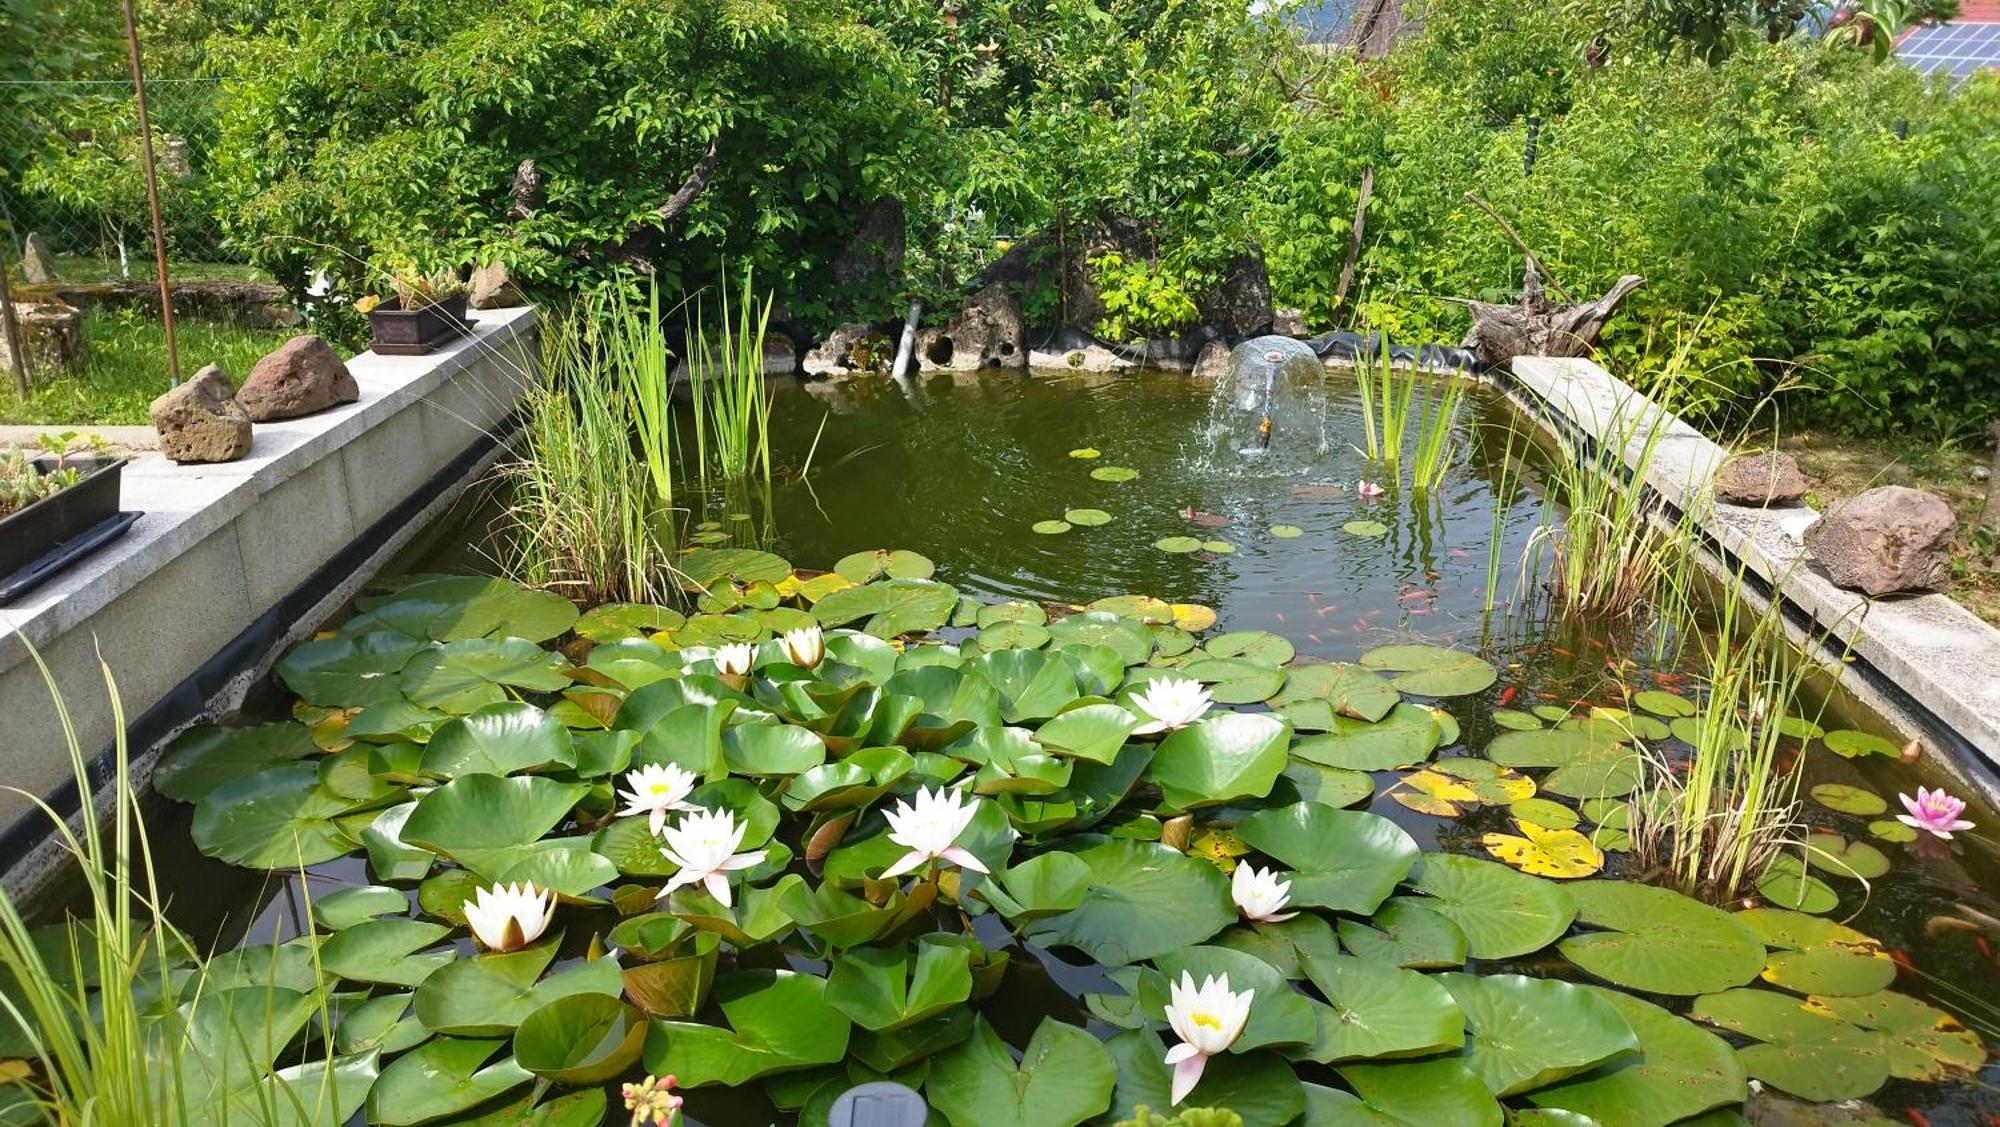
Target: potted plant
column 425, row 311
column 55, row 507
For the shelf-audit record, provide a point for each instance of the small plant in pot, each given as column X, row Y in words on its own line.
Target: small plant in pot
column 64, row 496
column 423, row 312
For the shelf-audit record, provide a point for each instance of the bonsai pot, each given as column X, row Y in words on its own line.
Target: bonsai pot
column 38, row 541
column 396, row 331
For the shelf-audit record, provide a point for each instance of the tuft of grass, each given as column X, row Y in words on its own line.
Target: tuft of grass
column 1392, row 413
column 732, row 405
column 125, row 368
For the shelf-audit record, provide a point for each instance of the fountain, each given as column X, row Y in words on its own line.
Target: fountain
column 1269, row 408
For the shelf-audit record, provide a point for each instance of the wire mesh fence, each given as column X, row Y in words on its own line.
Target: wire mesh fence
column 71, row 174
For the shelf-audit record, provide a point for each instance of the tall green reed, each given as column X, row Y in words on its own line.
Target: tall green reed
column 732, row 405
column 1392, row 412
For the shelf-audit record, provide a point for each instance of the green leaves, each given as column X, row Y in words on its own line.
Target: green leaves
column 1503, row 913
column 892, row 607
column 1142, row 900
column 281, row 818
column 885, row 988
column 499, row 739
column 1064, row 1077
column 1223, row 756
column 1342, row 859
column 475, row 815
column 777, row 1021
column 440, row 1078
column 488, row 995
column 1529, row 1032
column 1660, row 941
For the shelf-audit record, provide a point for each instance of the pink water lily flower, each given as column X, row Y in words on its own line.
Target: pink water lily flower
column 1367, row 490
column 1934, row 812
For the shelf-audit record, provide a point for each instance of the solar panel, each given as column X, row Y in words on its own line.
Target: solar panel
column 1955, row 49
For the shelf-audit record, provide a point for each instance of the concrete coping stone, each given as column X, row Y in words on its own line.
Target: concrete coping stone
column 1940, row 654
column 185, row 504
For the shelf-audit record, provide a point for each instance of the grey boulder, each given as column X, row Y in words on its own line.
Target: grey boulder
column 303, row 376
column 1891, row 538
column 987, row 333
column 200, row 421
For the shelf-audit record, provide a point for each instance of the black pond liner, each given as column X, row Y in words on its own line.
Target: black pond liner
column 41, row 540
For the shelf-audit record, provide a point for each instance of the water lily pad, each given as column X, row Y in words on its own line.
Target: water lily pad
column 1095, row 732
column 1190, row 616
column 1442, row 1090
column 207, row 756
column 349, row 671
column 1344, row 860
column 490, row 994
column 440, row 1078
column 1085, row 452
column 1924, row 1043
column 580, row 1039
column 1660, row 941
column 1328, row 786
column 1432, row 671
column 1126, row 637
column 280, row 818
column 1503, row 913
column 1143, row 900
column 1848, row 799
column 1406, row 932
column 1222, row 757
column 614, row 621
column 1050, row 527
column 1234, row 680
column 1087, row 518
column 1787, row 884
column 860, row 567
column 1857, row 860
column 390, row 951
column 1376, row 1010
column 343, row 908
column 1681, row 1071
column 1278, row 1014
column 887, row 988
column 470, row 817
column 1145, row 608
column 777, row 1020
column 706, row 568
column 1515, row 720
column 1064, row 1077
column 1179, row 545
column 1587, row 765
column 1287, row 531
column 1803, row 1052
column 1851, row 744
column 1524, row 1033
column 449, row 608
column 1545, row 813
column 1314, row 693
column 1259, row 646
column 1259, row 1088
column 1892, row 831
column 499, row 739
column 1562, row 854
column 1660, row 703
column 1114, row 473
column 1218, row 547
column 1371, row 529
column 892, row 607
column 1404, row 737
column 459, row 677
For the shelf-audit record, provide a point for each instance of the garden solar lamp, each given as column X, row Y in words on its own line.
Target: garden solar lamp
column 881, row 1104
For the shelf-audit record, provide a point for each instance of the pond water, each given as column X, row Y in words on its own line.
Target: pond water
column 965, row 469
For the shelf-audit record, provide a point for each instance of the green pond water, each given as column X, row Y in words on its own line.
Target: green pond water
column 962, row 469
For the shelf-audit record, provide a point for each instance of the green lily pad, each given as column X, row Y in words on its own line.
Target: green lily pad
column 1219, row 758
column 1892, row 831
column 1850, row 744
column 207, row 756
column 1371, row 529
column 706, row 568
column 1064, row 1077
column 1328, row 786
column 887, row 988
column 580, row 1039
column 1179, row 545
column 1114, row 473
column 1086, row 452
column 1681, row 1071
column 1442, row 1090
column 499, row 739
column 1587, row 765
column 1802, row 1051
column 281, row 818
column 1345, row 860
column 860, row 567
column 1259, row 1088
column 346, row 907
column 1924, row 1043
column 349, row 671
column 1313, row 694
column 450, row 608
column 1406, row 932
column 615, row 621
column 459, row 677
column 1087, row 518
column 1126, row 637
column 1218, row 547
column 472, row 816
column 390, row 951
column 1050, row 527
column 1233, row 680
column 1515, row 720
column 1260, row 646
column 1848, row 799
column 1375, row 1010
column 1660, row 703
column 1787, row 884
column 1659, row 941
column 1544, row 813
column 1287, row 531
column 1278, row 1014
column 1095, row 732
column 1857, row 860
column 440, row 1078
column 1525, row 1033
column 892, row 607
column 488, row 995
column 1142, row 901
column 1404, row 737
column 1503, row 913
column 778, row 1021
column 1432, row 671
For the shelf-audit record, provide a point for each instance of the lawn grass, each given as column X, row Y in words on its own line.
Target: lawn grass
column 125, row 367
column 1840, row 465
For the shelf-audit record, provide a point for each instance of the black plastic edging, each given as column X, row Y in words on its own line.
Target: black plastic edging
column 187, row 700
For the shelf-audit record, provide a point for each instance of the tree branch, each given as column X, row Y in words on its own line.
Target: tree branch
column 698, row 178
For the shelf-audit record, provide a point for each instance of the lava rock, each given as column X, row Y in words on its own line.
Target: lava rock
column 1241, row 305
column 850, row 349
column 303, row 376
column 1761, row 479
column 1213, row 363
column 493, row 288
column 38, row 266
column 200, row 421
column 1891, row 538
column 987, row 333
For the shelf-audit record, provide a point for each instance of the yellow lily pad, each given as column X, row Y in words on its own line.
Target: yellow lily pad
column 1562, row 854
column 1193, row 616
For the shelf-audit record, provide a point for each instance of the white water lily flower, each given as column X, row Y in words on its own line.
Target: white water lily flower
column 508, row 917
column 1169, row 703
column 734, row 660
column 655, row 789
column 703, row 844
column 804, row 647
column 928, row 827
column 1207, row 1021
column 1259, row 894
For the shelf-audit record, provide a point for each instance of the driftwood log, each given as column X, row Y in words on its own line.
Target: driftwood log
column 1535, row 326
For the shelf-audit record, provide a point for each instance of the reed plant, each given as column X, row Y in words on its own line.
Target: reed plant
column 1504, row 488
column 589, row 518
column 732, row 404
column 1393, row 413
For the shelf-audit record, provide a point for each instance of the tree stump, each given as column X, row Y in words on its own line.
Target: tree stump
column 1535, row 326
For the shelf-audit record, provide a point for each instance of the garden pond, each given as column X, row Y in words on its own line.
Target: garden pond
column 1015, row 567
